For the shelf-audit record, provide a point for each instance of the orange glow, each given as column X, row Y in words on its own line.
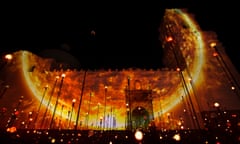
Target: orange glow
column 63, row 75
column 8, row 57
column 138, row 135
column 74, row 100
column 167, row 91
column 169, row 39
column 234, row 115
column 215, row 54
column 12, row 129
column 216, row 104
column 114, row 82
column 213, row 44
column 16, row 112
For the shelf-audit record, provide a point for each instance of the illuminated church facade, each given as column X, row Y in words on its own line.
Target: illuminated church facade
column 199, row 88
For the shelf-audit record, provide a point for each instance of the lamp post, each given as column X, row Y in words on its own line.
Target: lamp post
column 68, row 116
column 105, row 102
column 111, row 118
column 45, row 113
column 5, row 60
column 98, row 105
column 160, row 111
column 220, row 118
column 129, row 104
column 29, row 119
column 225, row 68
column 89, row 103
column 70, row 120
column 80, row 103
column 6, row 87
column 216, row 105
column 60, row 120
column 15, row 113
column 101, row 122
column 59, row 93
column 36, row 117
column 111, row 114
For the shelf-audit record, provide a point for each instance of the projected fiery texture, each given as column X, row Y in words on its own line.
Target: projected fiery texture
column 97, row 99
column 93, row 98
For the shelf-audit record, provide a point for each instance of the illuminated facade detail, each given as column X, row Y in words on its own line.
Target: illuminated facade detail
column 180, row 96
column 141, row 114
column 139, row 106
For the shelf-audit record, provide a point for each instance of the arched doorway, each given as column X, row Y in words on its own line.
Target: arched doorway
column 140, row 118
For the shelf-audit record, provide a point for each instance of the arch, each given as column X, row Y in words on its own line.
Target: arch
column 140, row 118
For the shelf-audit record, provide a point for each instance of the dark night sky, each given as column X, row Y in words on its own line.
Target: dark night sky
column 126, row 34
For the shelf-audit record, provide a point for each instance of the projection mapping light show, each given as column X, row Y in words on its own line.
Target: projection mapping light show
column 35, row 96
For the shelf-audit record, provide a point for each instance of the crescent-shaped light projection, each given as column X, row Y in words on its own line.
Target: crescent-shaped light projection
column 196, row 62
column 25, row 67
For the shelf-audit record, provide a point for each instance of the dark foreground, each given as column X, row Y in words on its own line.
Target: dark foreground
column 25, row 136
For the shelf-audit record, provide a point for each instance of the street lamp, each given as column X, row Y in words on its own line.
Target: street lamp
column 59, row 93
column 160, row 111
column 29, row 118
column 129, row 104
column 111, row 114
column 216, row 105
column 6, row 59
column 105, row 101
column 44, row 93
column 15, row 113
column 6, row 87
column 60, row 121
column 89, row 103
column 80, row 103
column 70, row 120
column 98, row 105
column 45, row 113
column 224, row 66
column 101, row 121
column 219, row 115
